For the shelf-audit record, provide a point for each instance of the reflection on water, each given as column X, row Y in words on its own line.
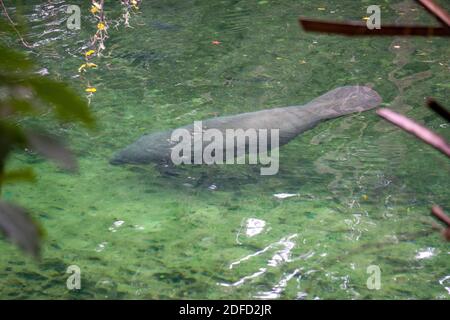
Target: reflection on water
column 252, row 227
column 278, row 289
column 444, row 282
column 281, row 253
column 351, row 193
column 426, row 253
column 48, row 21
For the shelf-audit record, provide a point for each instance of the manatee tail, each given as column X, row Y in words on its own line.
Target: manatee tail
column 344, row 100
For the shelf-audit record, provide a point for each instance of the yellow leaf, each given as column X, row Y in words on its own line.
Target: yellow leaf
column 90, row 52
column 94, row 10
column 86, row 65
column 101, row 26
column 91, row 90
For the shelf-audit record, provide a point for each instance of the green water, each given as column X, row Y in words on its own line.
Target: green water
column 362, row 188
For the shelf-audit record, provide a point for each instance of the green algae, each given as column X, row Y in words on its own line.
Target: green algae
column 364, row 188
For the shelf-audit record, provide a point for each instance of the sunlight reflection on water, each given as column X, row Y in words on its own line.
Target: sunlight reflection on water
column 280, row 256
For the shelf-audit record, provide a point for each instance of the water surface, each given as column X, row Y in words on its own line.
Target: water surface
column 361, row 189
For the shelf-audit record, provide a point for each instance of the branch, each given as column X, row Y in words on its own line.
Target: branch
column 439, row 213
column 360, row 29
column 436, row 11
column 416, row 129
column 351, row 28
column 437, row 108
column 13, row 25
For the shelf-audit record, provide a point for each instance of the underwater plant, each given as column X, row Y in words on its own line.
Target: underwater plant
column 23, row 92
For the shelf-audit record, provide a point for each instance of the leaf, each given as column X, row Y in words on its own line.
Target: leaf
column 26, row 174
column 13, row 60
column 52, row 149
column 68, row 105
column 4, row 27
column 21, row 105
column 19, row 228
column 11, row 135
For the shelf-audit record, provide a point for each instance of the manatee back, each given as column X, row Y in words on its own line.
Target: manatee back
column 290, row 121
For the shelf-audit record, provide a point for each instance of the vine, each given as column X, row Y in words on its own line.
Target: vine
column 97, row 41
column 13, row 26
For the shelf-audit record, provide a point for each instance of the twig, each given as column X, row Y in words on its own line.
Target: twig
column 436, row 11
column 429, row 137
column 416, row 129
column 102, row 13
column 439, row 214
column 351, row 28
column 5, row 11
column 360, row 29
column 408, row 125
column 440, row 110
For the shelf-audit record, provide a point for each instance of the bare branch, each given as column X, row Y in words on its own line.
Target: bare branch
column 436, row 11
column 416, row 129
column 440, row 110
column 360, row 29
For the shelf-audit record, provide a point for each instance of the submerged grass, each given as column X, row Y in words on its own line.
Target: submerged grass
column 364, row 188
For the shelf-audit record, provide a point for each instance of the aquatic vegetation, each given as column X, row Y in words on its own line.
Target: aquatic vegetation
column 139, row 233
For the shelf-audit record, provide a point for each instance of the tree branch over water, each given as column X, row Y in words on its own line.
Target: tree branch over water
column 361, row 29
column 351, row 28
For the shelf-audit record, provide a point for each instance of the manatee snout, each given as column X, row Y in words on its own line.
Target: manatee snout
column 122, row 157
column 115, row 161
column 140, row 152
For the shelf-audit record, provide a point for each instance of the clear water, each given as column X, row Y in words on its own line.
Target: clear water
column 362, row 188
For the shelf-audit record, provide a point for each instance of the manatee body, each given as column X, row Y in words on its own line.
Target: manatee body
column 291, row 121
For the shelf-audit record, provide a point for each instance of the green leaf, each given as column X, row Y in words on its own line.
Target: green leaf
column 20, row 105
column 13, row 60
column 52, row 149
column 7, row 28
column 11, row 136
column 68, row 105
column 19, row 228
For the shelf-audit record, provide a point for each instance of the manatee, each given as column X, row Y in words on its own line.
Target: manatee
column 159, row 25
column 290, row 121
